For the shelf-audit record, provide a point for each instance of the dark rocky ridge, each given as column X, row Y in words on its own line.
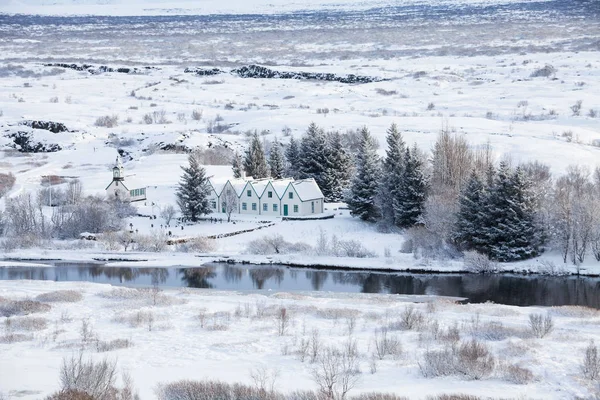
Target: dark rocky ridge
column 257, row 71
column 24, row 143
column 54, row 127
column 101, row 69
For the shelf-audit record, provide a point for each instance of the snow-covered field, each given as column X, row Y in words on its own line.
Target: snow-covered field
column 462, row 64
column 199, row 334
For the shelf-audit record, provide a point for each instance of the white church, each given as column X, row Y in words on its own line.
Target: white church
column 126, row 190
column 269, row 197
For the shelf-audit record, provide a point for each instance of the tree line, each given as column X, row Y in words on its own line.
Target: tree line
column 454, row 198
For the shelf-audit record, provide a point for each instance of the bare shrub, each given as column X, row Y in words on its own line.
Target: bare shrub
column 336, row 372
column 539, row 325
column 591, row 362
column 576, row 108
column 147, row 119
column 167, row 213
column 97, row 379
column 197, row 245
column 437, row 363
column 70, row 395
column 7, row 181
column 384, row 92
column 378, row 396
column 275, row 244
column 197, row 115
column 386, row 344
column 516, row 374
column 575, row 311
column 86, row 332
column 430, row 106
column 479, row 263
column 107, row 121
column 451, row 334
column 29, row 324
column 496, row 331
column 264, row 379
column 283, row 320
column 63, row 296
column 22, row 307
column 411, row 318
column 544, row 72
column 471, row 360
column 209, row 390
column 116, row 344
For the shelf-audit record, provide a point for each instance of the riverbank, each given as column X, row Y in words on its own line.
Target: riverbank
column 232, row 336
column 546, row 265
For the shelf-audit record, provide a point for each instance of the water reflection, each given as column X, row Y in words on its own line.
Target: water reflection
column 505, row 289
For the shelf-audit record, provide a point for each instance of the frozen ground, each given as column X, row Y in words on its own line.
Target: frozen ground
column 197, row 334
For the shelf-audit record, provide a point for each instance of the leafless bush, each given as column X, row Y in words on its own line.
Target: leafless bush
column 275, row 244
column 591, row 362
column 315, row 346
column 7, row 181
column 472, row 360
column 107, row 121
column 455, row 397
column 209, row 390
column 86, row 332
column 197, row 245
column 516, row 374
column 167, row 213
column 97, row 379
column 146, row 296
column 283, row 320
column 430, row 106
column 384, row 92
column 336, row 372
column 378, row 396
column 63, row 296
column 264, row 379
column 539, row 325
column 386, row 344
column 545, row 72
column 576, row 108
column 437, row 363
column 116, row 344
column 22, row 307
column 496, row 331
column 451, row 334
column 411, row 318
column 592, row 113
column 70, row 395
column 479, row 263
column 147, row 119
column 53, row 99
column 197, row 115
column 336, row 313
column 575, row 311
column 29, row 324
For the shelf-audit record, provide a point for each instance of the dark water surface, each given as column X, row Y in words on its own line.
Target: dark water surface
column 503, row 289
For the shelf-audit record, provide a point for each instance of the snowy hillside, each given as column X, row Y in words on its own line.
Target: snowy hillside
column 205, row 7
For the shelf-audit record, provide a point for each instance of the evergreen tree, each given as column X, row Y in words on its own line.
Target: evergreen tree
column 193, row 191
column 391, row 179
column 363, row 190
column 292, row 155
column 468, row 232
column 337, row 175
column 237, row 165
column 255, row 162
column 276, row 160
column 412, row 194
column 510, row 229
column 313, row 156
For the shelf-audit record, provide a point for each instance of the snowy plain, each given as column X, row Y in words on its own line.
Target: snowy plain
column 472, row 60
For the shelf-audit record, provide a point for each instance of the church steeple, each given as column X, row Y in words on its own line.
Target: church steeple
column 118, row 172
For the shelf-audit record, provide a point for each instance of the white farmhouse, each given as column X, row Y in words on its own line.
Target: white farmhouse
column 126, row 191
column 268, row 197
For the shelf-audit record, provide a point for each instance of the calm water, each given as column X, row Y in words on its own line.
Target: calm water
column 504, row 289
